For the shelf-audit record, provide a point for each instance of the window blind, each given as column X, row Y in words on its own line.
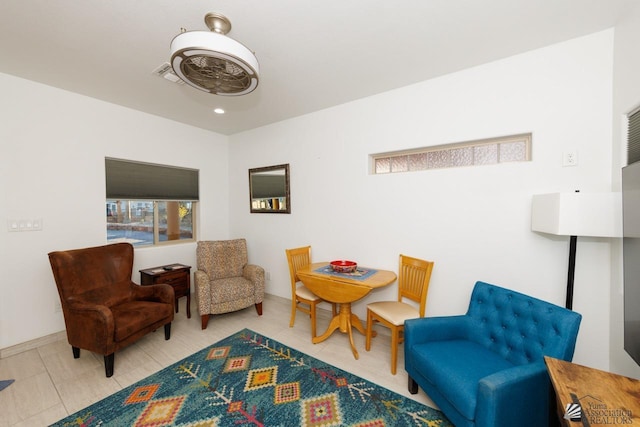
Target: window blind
column 132, row 180
column 633, row 137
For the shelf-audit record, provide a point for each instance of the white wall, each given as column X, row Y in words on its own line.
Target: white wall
column 474, row 222
column 626, row 97
column 52, row 167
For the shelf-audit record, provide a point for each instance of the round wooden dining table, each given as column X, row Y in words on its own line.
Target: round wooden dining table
column 343, row 289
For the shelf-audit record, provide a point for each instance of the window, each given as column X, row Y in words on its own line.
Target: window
column 143, row 222
column 633, row 136
column 515, row 148
column 150, row 204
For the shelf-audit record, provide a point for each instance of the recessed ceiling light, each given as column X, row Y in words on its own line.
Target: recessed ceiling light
column 218, row 110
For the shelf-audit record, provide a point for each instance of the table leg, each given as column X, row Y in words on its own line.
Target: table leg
column 350, row 319
column 345, row 320
column 189, row 305
column 335, row 324
column 353, row 345
column 345, row 317
column 357, row 323
column 341, row 321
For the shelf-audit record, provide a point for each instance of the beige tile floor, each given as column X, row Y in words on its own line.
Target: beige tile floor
column 50, row 384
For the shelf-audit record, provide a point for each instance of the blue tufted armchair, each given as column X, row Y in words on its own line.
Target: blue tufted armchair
column 486, row 368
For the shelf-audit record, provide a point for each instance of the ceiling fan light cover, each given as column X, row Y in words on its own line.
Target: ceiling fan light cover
column 214, row 63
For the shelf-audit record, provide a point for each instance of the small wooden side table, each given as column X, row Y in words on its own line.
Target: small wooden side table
column 594, row 397
column 176, row 275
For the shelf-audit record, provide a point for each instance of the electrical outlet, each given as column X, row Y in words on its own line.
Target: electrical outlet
column 267, row 275
column 57, row 307
column 570, row 158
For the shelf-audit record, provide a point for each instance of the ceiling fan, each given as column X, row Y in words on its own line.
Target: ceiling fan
column 213, row 62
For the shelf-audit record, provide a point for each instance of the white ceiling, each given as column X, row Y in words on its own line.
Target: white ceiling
column 313, row 54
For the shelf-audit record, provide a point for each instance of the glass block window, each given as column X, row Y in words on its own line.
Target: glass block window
column 485, row 154
column 461, row 156
column 418, row 161
column 399, row 164
column 633, row 136
column 514, row 148
column 383, row 165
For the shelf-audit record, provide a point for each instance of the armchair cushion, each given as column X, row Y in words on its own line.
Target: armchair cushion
column 231, row 289
column 223, row 259
column 132, row 316
column 486, row 368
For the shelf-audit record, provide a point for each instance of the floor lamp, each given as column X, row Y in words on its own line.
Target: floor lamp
column 577, row 214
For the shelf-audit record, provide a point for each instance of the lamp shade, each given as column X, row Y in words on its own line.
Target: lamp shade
column 578, row 214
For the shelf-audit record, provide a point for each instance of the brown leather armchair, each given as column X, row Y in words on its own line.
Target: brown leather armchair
column 224, row 280
column 103, row 309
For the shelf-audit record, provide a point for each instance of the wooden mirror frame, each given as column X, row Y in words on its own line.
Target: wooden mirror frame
column 270, row 194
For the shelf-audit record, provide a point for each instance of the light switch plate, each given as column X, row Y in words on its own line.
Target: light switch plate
column 24, row 224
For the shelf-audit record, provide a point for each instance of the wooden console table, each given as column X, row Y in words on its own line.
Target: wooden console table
column 176, row 275
column 602, row 398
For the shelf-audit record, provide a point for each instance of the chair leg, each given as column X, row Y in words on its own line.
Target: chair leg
column 292, row 320
column 312, row 312
column 76, row 352
column 369, row 329
column 205, row 320
column 108, row 364
column 259, row 308
column 413, row 386
column 167, row 331
column 394, row 350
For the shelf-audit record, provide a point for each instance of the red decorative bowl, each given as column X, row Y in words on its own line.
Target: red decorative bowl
column 343, row 266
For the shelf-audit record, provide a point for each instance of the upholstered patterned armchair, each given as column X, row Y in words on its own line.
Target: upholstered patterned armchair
column 224, row 280
column 103, row 309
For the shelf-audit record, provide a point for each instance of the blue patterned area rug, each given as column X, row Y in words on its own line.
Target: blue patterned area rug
column 251, row 380
column 5, row 383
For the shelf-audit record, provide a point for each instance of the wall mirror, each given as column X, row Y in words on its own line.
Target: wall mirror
column 269, row 189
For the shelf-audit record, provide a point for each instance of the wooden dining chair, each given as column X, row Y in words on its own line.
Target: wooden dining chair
column 302, row 298
column 414, row 276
